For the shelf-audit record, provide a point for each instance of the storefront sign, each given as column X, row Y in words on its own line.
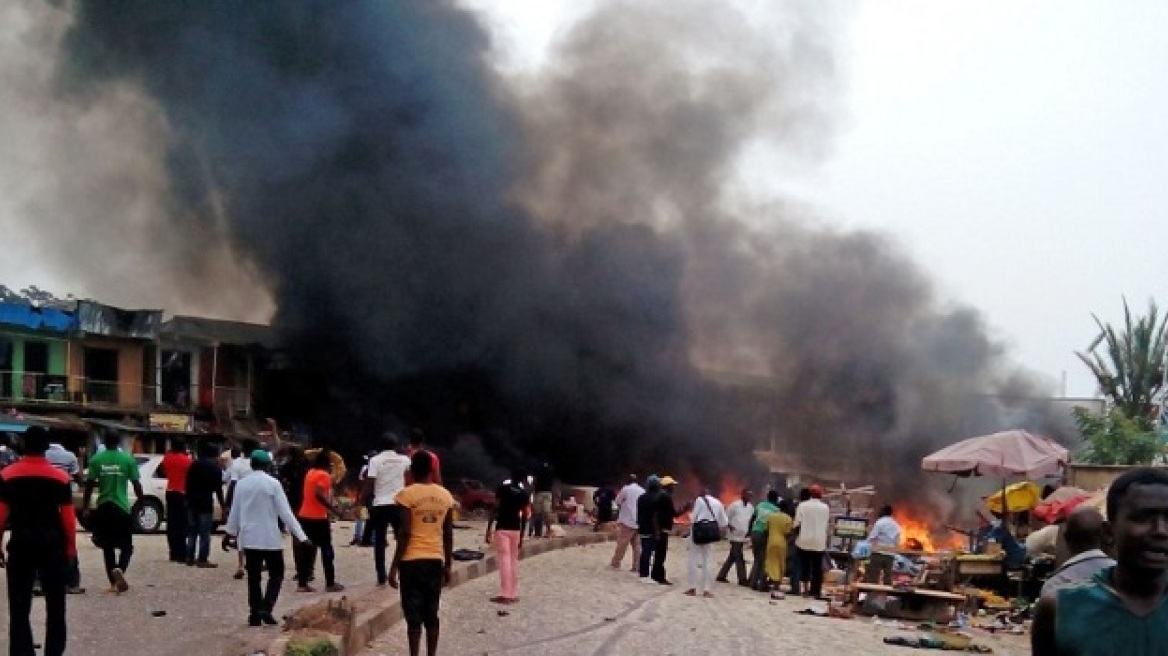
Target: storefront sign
column 171, row 423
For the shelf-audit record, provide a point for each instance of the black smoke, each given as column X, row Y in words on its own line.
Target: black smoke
column 555, row 263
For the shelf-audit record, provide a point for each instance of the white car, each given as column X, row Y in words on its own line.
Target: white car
column 149, row 512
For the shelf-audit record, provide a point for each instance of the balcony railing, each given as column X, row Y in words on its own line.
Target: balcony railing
column 35, row 388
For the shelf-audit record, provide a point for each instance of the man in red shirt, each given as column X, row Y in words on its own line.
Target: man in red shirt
column 36, row 504
column 174, row 466
column 417, row 443
column 314, row 519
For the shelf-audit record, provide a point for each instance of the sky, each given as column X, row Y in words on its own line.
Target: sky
column 1013, row 148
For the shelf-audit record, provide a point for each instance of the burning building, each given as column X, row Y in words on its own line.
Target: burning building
column 544, row 263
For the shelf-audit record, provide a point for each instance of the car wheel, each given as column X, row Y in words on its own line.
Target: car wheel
column 147, row 516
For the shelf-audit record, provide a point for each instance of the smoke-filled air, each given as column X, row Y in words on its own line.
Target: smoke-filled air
column 560, row 261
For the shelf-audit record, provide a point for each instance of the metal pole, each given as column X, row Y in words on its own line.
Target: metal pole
column 214, row 374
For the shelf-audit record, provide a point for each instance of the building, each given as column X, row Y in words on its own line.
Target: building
column 81, row 365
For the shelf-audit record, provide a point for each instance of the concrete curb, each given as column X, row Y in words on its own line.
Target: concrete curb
column 382, row 607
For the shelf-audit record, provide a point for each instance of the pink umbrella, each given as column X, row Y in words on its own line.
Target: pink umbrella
column 1005, row 454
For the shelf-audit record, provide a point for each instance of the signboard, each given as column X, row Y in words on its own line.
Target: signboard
column 851, row 527
column 171, row 423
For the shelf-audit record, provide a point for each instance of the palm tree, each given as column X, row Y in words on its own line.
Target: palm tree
column 1131, row 370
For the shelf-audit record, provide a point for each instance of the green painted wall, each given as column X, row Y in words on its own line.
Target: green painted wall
column 57, row 357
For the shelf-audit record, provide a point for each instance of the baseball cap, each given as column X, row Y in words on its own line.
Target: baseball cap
column 262, row 456
column 667, row 481
column 816, row 491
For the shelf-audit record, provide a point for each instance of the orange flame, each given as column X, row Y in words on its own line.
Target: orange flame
column 730, row 490
column 931, row 541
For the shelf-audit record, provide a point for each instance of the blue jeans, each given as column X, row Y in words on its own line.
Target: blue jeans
column 648, row 545
column 199, row 529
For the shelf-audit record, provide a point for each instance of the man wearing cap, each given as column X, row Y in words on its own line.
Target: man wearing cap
column 647, row 529
column 811, row 520
column 665, row 514
column 626, row 523
column 256, row 512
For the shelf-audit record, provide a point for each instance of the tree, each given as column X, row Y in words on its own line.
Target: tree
column 1115, row 439
column 1131, row 370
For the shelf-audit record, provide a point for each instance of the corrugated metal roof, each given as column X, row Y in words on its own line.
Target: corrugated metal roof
column 214, row 332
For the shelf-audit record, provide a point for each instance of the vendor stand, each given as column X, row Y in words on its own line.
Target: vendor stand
column 1005, row 455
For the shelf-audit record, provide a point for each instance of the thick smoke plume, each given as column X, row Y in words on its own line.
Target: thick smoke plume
column 559, row 262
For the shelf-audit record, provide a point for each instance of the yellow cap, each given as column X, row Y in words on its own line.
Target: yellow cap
column 666, row 481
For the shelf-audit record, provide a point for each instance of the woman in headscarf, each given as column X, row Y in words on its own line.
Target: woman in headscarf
column 778, row 526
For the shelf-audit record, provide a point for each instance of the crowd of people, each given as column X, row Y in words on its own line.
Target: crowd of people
column 1089, row 600
column 785, row 539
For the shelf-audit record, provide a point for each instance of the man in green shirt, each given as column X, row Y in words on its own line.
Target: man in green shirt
column 113, row 528
column 1124, row 608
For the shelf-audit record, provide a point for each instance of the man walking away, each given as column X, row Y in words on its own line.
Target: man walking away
column 795, row 556
column 238, row 470
column 603, row 500
column 1123, row 609
column 545, row 481
column 424, row 554
column 738, row 515
column 314, row 518
column 292, row 479
column 36, row 505
column 418, row 443
column 1083, row 534
column 701, row 556
column 626, row 523
column 647, row 525
column 260, row 505
column 175, row 465
column 509, row 517
column 204, row 485
column 65, row 460
column 362, row 536
column 759, row 540
column 811, row 519
column 384, row 479
column 110, row 470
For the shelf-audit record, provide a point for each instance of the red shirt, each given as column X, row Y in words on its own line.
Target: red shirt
column 435, row 465
column 175, row 466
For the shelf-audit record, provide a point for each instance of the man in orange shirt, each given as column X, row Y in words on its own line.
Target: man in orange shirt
column 174, row 465
column 425, row 549
column 314, row 519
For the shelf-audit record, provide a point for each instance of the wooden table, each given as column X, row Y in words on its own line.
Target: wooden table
column 916, row 603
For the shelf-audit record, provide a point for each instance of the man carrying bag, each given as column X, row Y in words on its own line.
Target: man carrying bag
column 709, row 523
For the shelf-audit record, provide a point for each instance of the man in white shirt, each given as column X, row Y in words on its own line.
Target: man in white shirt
column 626, row 523
column 259, row 505
column 884, row 538
column 239, row 468
column 701, row 556
column 738, row 514
column 811, row 520
column 385, row 477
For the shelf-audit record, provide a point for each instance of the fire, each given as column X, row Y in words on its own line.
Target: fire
column 930, row 540
column 730, row 490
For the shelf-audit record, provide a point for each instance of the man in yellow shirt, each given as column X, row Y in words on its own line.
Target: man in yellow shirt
column 425, row 549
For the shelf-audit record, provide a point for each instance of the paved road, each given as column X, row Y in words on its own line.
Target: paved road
column 202, row 606
column 572, row 603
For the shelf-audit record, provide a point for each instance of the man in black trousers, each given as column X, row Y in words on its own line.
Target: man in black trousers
column 36, row 504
